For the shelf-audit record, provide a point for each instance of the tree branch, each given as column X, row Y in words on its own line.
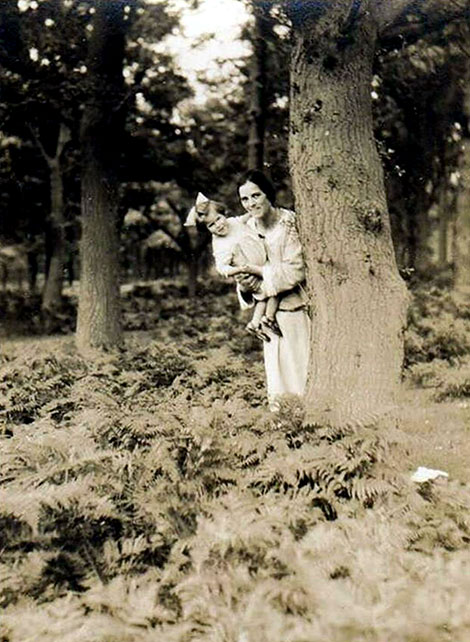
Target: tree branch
column 179, row 211
column 391, row 12
column 430, row 17
column 64, row 138
column 49, row 159
column 351, row 18
column 158, row 227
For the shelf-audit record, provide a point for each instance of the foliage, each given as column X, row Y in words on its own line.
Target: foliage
column 437, row 341
column 438, row 325
column 154, row 239
column 419, row 115
column 43, row 48
column 150, row 494
column 447, row 381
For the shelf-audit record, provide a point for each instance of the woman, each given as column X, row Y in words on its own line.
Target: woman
column 285, row 356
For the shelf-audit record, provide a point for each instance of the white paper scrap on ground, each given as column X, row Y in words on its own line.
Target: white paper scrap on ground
column 423, row 474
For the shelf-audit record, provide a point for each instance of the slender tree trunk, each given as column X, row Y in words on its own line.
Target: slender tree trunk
column 419, row 240
column 32, row 270
column 359, row 300
column 99, row 314
column 461, row 257
column 193, row 271
column 52, row 294
column 258, row 102
column 55, row 242
column 443, row 239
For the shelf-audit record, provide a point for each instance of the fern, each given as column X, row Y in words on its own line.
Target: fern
column 150, row 495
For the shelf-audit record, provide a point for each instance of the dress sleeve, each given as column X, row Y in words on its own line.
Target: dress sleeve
column 287, row 272
column 245, row 299
column 222, row 258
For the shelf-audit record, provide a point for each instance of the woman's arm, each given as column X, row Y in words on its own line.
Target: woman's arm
column 289, row 271
column 256, row 270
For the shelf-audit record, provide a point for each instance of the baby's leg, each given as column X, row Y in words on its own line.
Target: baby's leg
column 254, row 326
column 272, row 305
column 259, row 311
column 269, row 319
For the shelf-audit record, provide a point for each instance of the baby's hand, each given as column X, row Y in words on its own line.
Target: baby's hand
column 232, row 271
column 256, row 270
column 248, row 282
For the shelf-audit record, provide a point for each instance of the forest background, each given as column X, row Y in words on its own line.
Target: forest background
column 145, row 490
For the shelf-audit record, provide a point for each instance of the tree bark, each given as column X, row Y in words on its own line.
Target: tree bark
column 99, row 314
column 359, row 300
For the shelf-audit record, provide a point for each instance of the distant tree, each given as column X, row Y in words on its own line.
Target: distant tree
column 461, row 227
column 418, row 93
column 53, row 288
column 40, row 45
column 153, row 136
column 262, row 28
column 266, row 92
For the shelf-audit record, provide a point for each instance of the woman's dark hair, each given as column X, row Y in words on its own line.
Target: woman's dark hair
column 257, row 177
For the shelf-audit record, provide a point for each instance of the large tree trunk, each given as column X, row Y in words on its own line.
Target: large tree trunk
column 358, row 298
column 99, row 314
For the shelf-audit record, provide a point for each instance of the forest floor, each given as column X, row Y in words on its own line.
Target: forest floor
column 151, row 495
column 438, row 432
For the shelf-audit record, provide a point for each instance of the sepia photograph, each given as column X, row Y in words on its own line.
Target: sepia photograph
column 234, row 320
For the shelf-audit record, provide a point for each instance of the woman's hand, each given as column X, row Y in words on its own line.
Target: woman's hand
column 248, row 282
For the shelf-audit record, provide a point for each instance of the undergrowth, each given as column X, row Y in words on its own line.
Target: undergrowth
column 437, row 342
column 151, row 495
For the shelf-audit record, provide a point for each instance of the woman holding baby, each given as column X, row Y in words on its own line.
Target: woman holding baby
column 285, row 356
column 275, row 279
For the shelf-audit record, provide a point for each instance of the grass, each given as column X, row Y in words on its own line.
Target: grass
column 439, row 433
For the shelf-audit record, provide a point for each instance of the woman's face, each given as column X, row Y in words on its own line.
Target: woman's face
column 254, row 200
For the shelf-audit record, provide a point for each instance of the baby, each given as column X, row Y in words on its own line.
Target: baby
column 237, row 249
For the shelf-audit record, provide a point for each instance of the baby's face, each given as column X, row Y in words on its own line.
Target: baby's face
column 216, row 222
column 218, row 225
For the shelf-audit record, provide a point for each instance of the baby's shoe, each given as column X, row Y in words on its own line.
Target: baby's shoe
column 257, row 331
column 272, row 324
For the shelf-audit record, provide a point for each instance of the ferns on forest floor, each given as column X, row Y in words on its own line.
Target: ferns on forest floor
column 150, row 495
column 438, row 327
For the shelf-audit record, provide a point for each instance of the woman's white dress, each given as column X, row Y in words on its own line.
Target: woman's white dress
column 285, row 358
